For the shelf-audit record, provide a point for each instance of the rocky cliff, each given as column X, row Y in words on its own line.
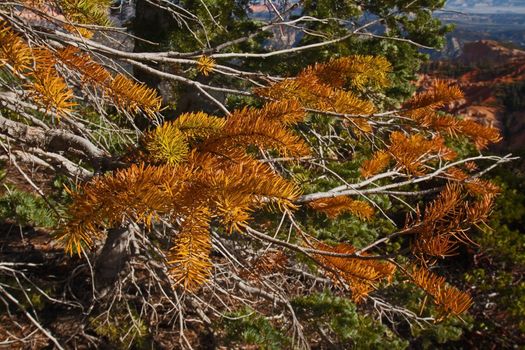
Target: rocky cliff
column 492, row 77
column 489, row 52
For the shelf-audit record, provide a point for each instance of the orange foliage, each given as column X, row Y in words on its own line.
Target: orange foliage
column 362, row 275
column 336, row 206
column 376, row 164
column 412, row 152
column 448, row 298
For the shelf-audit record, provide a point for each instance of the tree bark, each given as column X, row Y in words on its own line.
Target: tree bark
column 113, row 257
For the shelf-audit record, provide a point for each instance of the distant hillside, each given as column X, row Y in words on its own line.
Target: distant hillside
column 502, row 27
column 493, row 79
column 487, row 6
column 490, row 52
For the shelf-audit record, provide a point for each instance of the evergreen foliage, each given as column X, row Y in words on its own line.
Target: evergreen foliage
column 26, row 209
column 246, row 326
column 320, row 199
column 338, row 317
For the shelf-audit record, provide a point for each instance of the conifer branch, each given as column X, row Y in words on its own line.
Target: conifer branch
column 448, row 298
column 196, row 185
column 356, row 189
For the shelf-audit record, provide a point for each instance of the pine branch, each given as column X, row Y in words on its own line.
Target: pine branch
column 133, row 97
column 51, row 91
column 361, row 275
column 13, row 50
column 448, row 298
column 358, row 71
column 188, row 259
column 334, row 207
column 376, row 164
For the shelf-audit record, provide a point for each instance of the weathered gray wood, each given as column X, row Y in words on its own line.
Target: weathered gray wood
column 113, row 257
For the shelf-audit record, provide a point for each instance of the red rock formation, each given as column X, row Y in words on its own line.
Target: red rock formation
column 489, row 52
column 489, row 66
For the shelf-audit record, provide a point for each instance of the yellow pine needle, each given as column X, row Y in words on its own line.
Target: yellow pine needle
column 311, row 93
column 133, row 97
column 449, row 216
column 288, row 112
column 448, row 298
column 479, row 212
column 51, row 91
column 336, row 206
column 448, row 124
column 139, row 192
column 87, row 11
column 188, row 259
column 360, row 274
column 234, row 210
column 316, row 89
column 13, row 50
column 457, row 174
column 422, row 108
column 376, row 164
column 357, row 71
column 77, row 238
column 437, row 245
column 410, row 152
column 243, row 129
column 79, row 31
column 480, row 187
column 481, row 135
column 205, row 65
column 44, row 59
column 471, row 166
column 231, row 188
column 126, row 94
column 166, row 144
column 249, row 126
column 245, row 175
column 90, row 71
column 198, row 125
column 445, row 205
column 438, row 95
